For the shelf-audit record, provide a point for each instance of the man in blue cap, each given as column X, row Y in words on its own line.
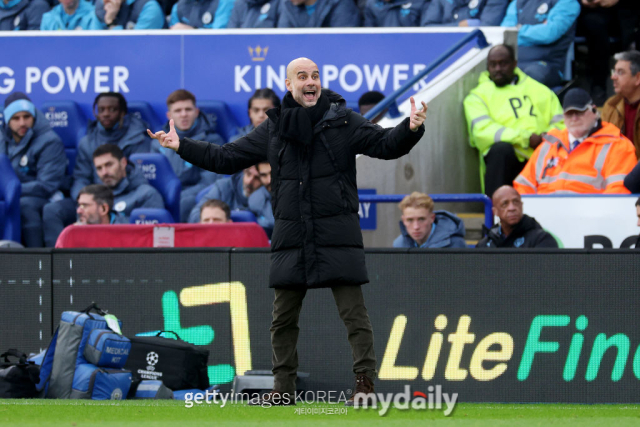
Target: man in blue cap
column 37, row 156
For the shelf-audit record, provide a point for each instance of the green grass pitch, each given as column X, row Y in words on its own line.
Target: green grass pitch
column 78, row 413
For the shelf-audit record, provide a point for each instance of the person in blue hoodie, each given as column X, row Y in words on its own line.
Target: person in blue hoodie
column 234, row 191
column 22, row 14
column 260, row 102
column 546, row 29
column 318, row 13
column 464, row 13
column 37, row 155
column 68, row 15
column 254, row 14
column 189, row 123
column 127, row 15
column 260, row 200
column 421, row 227
column 393, row 13
column 112, row 126
column 95, row 206
column 190, row 14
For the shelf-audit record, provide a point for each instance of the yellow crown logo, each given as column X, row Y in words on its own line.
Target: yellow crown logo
column 258, row 53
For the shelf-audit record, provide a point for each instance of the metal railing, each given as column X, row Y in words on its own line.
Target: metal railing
column 438, row 198
column 390, row 99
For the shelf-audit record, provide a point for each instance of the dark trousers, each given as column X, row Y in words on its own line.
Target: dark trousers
column 31, row 218
column 594, row 24
column 502, row 167
column 284, row 333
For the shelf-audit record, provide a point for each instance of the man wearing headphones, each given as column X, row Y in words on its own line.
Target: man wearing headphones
column 589, row 156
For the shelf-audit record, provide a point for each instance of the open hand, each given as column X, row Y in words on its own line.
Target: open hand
column 417, row 117
column 168, row 140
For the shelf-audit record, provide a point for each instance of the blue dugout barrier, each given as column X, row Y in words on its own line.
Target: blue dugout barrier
column 438, row 198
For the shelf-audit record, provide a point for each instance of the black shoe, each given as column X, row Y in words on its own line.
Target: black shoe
column 599, row 95
column 273, row 398
column 364, row 385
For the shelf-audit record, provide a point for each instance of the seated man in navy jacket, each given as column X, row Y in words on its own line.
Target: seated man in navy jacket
column 95, row 206
column 421, row 227
column 37, row 156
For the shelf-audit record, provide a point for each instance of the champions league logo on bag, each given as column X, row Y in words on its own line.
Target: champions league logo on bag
column 152, row 359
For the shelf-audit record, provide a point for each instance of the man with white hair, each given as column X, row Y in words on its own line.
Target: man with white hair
column 589, row 156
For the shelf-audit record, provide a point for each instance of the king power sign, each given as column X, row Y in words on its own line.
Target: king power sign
column 226, row 66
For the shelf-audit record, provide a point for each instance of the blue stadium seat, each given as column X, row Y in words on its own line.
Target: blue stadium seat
column 9, row 201
column 242, row 216
column 144, row 111
column 202, row 193
column 150, row 216
column 160, row 174
column 69, row 122
column 219, row 112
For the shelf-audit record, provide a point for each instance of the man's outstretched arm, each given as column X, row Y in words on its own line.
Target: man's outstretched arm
column 226, row 159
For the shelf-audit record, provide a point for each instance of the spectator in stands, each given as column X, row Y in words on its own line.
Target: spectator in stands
column 393, row 13
column 189, row 123
column 546, row 29
column 421, row 227
column 506, row 115
column 515, row 229
column 368, row 100
column 463, row 13
column 215, row 212
column 589, row 156
column 191, row 14
column 623, row 109
column 69, row 15
column 260, row 200
column 37, row 157
column 112, row 126
column 22, row 14
column 234, row 191
column 127, row 15
column 318, row 13
column 95, row 206
column 260, row 102
column 130, row 188
column 254, row 14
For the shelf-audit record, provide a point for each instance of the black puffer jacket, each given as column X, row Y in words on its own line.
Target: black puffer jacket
column 526, row 234
column 316, row 240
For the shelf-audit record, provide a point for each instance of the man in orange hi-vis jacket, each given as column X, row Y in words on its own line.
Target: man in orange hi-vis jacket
column 589, row 156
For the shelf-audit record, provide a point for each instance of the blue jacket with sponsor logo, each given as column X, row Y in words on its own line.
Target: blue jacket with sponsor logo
column 254, row 14
column 22, row 14
column 38, row 159
column 202, row 13
column 547, row 28
column 133, row 192
column 324, row 13
column 475, row 12
column 229, row 190
column 190, row 175
column 131, row 137
column 133, row 15
column 447, row 232
column 57, row 18
column 260, row 205
column 394, row 13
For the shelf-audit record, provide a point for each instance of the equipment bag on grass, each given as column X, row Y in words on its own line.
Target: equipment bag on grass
column 177, row 363
column 18, row 379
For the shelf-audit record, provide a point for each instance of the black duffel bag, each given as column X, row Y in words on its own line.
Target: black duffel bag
column 18, row 379
column 177, row 363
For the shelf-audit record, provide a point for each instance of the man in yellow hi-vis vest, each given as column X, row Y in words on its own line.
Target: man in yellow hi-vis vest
column 506, row 115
